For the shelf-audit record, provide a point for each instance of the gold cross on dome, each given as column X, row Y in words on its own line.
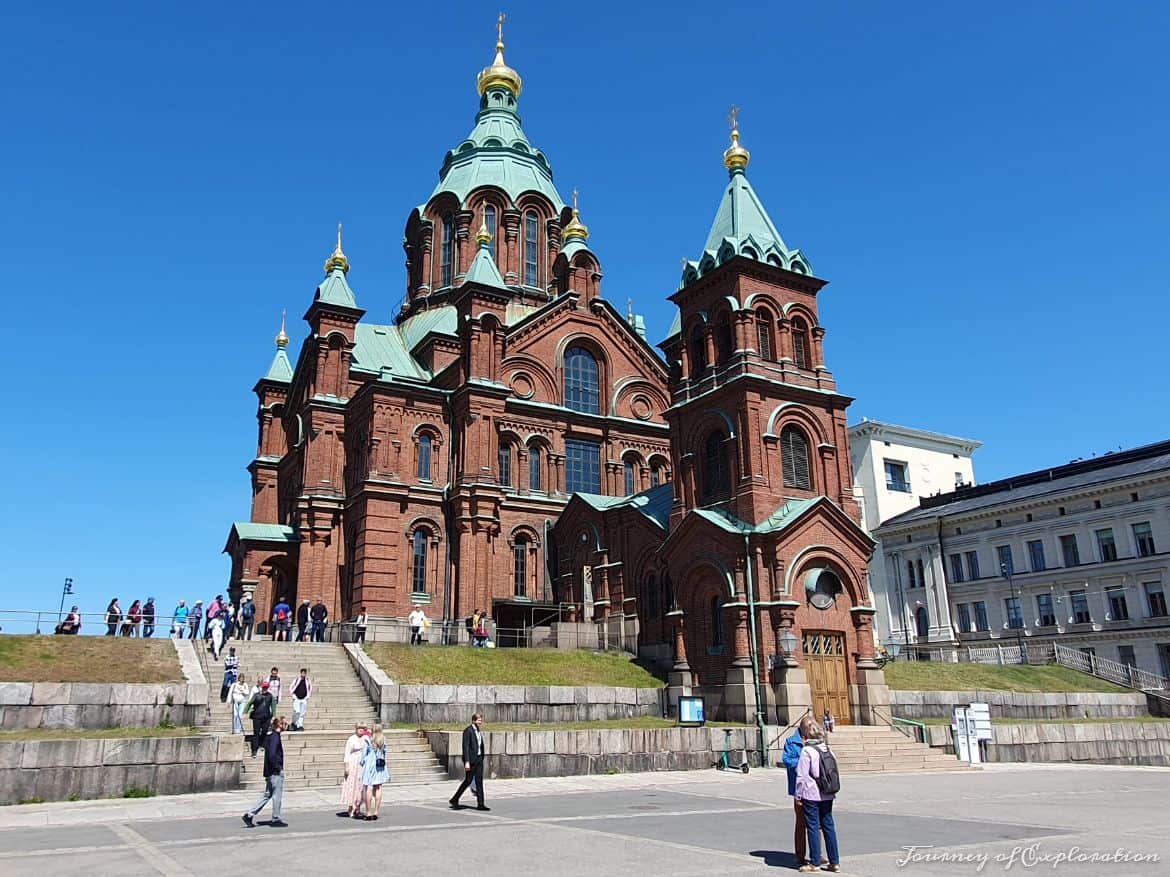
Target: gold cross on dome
column 500, row 27
column 733, row 117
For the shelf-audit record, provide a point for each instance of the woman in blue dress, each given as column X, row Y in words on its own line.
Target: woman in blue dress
column 374, row 771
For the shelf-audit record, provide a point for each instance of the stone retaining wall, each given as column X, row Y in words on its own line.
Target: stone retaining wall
column 95, row 705
column 1019, row 705
column 568, row 753
column 437, row 704
column 56, row 770
column 1121, row 742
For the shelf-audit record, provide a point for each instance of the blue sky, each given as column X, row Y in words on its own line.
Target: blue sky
column 985, row 187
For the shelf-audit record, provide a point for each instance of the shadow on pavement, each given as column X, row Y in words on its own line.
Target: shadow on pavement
column 775, row 858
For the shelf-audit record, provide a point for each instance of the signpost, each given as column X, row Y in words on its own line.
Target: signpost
column 966, row 738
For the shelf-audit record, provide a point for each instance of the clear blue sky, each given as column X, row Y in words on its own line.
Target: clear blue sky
column 984, row 186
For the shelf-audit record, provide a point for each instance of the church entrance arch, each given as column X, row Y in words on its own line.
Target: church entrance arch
column 824, row 655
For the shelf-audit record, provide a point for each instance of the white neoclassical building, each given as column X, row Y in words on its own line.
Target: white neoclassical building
column 893, row 466
column 1077, row 554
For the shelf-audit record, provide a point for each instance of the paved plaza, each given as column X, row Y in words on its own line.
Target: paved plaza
column 1006, row 817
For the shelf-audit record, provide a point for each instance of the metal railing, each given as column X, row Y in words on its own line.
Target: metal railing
column 15, row 621
column 1112, row 671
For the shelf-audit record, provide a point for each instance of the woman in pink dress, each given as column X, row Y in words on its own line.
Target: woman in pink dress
column 352, row 791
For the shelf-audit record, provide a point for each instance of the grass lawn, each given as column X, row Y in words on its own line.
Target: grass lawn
column 87, row 659
column 939, row 676
column 639, row 722
column 463, row 665
column 101, row 734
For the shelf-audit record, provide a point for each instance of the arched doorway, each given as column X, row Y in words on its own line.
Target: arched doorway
column 922, row 622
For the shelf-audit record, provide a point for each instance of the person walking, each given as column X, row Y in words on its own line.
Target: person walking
column 113, row 617
column 216, row 627
column 817, row 784
column 148, row 613
column 180, row 620
column 417, row 621
column 792, row 749
column 273, row 777
column 229, row 619
column 302, row 620
column 245, row 618
column 301, row 689
column 317, row 615
column 231, row 672
column 359, row 626
column 133, row 618
column 194, row 617
column 474, row 753
column 281, row 620
column 374, row 771
column 213, row 612
column 238, row 696
column 352, row 790
column 261, row 715
column 274, row 688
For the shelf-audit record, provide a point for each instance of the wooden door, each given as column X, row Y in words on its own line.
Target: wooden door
column 824, row 656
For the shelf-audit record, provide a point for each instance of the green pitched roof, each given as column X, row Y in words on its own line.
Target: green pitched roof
column 443, row 320
column 497, row 153
column 778, row 520
column 483, row 269
column 653, row 503
column 281, row 370
column 264, row 532
column 381, row 350
column 334, row 290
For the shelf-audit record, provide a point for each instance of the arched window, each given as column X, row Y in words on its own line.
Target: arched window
column 698, row 352
column 910, row 574
column 448, row 248
column 921, row 577
column 799, row 343
column 764, row 336
column 505, row 464
column 418, row 576
column 531, row 255
column 628, row 470
column 716, row 479
column 723, row 342
column 534, row 481
column 794, row 454
column 424, row 456
column 520, row 565
column 717, row 622
column 922, row 621
column 582, row 382
column 489, row 220
column 655, row 476
column 650, row 592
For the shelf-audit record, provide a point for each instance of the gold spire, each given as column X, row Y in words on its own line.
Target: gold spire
column 575, row 228
column 282, row 337
column 735, row 157
column 483, row 237
column 499, row 73
column 337, row 260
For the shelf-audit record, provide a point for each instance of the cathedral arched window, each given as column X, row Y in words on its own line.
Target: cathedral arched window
column 582, row 381
column 717, row 622
column 531, row 249
column 418, row 577
column 489, row 220
column 628, row 472
column 716, row 476
column 723, row 341
column 764, row 339
column 534, row 473
column 698, row 352
column 520, row 566
column 794, row 455
column 650, row 593
column 655, row 476
column 799, row 343
column 505, row 464
column 424, row 456
column 447, row 249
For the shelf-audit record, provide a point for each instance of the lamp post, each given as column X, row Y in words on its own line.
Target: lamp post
column 786, row 643
column 65, row 591
column 1005, row 571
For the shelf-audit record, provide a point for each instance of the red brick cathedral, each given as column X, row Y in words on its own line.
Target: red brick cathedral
column 513, row 443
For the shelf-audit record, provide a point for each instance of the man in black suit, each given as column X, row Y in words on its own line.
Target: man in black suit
column 474, row 752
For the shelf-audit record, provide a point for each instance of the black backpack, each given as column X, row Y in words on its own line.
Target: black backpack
column 248, row 611
column 828, row 780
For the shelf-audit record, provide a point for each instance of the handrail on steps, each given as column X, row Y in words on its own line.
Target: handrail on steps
column 894, row 721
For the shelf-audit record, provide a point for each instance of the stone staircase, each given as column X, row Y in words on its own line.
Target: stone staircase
column 874, row 748
column 313, row 757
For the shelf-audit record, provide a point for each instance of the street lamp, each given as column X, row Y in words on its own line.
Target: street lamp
column 787, row 643
column 1005, row 571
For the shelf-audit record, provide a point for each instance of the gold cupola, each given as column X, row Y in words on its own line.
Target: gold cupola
column 483, row 237
column 575, row 228
column 338, row 259
column 499, row 73
column 735, row 157
column 282, row 336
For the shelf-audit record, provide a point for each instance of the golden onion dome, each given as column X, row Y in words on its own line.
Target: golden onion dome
column 575, row 228
column 735, row 157
column 499, row 73
column 282, row 336
column 338, row 259
column 483, row 237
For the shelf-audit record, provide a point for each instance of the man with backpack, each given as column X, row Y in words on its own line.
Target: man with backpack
column 281, row 620
column 262, row 706
column 148, row 615
column 817, row 785
column 246, row 618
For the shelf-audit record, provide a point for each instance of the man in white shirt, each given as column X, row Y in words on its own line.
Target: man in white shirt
column 417, row 621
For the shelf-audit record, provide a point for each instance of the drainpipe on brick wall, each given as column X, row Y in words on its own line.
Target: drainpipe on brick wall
column 447, row 490
column 761, row 705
